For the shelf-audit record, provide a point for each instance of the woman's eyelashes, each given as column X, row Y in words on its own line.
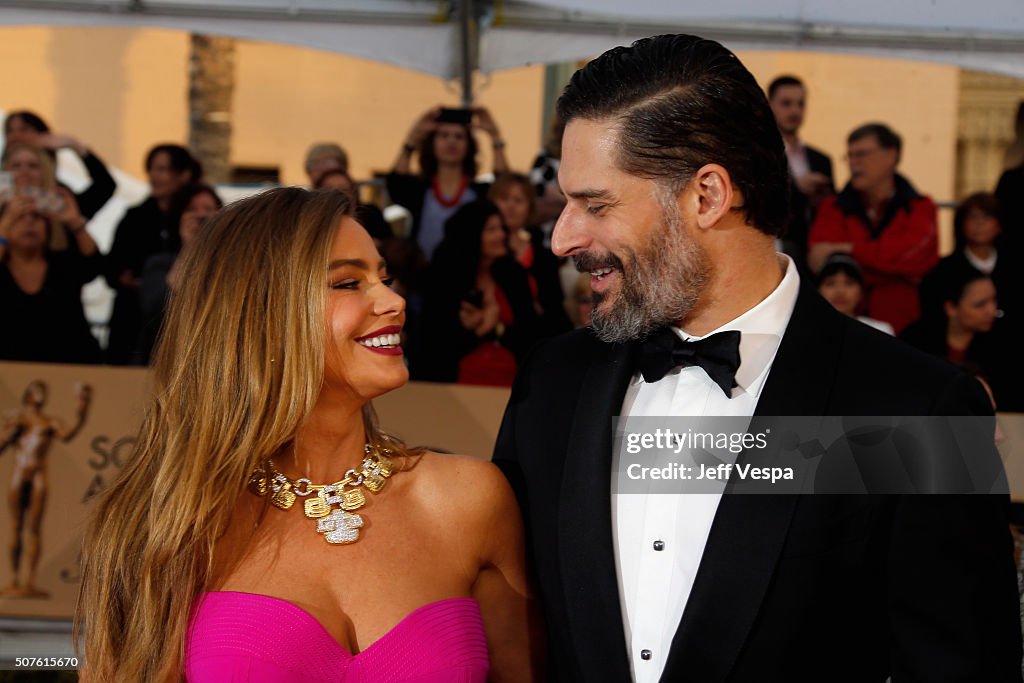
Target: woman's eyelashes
column 350, row 283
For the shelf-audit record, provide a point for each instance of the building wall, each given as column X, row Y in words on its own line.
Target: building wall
column 119, row 90
column 916, row 99
column 122, row 90
column 988, row 107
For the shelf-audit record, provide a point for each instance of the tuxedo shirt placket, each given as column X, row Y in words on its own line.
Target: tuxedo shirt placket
column 655, row 585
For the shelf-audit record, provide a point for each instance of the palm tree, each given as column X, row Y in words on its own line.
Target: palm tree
column 211, row 86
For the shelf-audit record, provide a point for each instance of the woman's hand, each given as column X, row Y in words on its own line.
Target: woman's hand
column 424, row 125
column 480, row 321
column 17, row 208
column 54, row 141
column 71, row 217
column 68, row 214
column 470, row 317
column 482, row 120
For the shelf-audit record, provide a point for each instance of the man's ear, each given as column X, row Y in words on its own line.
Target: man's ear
column 714, row 194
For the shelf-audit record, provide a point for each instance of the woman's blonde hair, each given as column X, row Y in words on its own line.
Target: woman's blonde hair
column 45, row 161
column 57, row 240
column 237, row 370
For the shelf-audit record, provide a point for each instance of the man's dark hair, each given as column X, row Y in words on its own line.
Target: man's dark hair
column 682, row 102
column 782, row 82
column 887, row 139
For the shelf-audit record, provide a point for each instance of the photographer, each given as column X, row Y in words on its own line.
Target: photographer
column 41, row 288
column 447, row 160
column 26, row 127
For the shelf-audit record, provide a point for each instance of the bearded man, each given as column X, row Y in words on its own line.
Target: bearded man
column 675, row 178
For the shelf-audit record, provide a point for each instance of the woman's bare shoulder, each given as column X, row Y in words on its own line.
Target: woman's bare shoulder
column 467, row 483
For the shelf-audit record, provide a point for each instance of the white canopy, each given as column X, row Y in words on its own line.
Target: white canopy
column 425, row 35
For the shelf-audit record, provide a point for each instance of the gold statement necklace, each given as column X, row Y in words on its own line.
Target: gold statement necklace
column 339, row 525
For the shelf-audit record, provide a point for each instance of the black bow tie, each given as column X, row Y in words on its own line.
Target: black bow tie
column 718, row 354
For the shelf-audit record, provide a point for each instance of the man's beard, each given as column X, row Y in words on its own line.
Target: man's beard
column 659, row 284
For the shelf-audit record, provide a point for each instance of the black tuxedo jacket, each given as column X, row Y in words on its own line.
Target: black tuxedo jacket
column 790, row 588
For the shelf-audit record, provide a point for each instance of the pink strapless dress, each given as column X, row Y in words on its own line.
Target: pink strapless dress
column 249, row 637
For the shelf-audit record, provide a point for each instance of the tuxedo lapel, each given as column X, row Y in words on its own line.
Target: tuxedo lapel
column 804, row 370
column 749, row 530
column 585, row 523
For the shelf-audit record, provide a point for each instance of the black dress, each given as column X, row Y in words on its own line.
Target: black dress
column 49, row 326
column 141, row 233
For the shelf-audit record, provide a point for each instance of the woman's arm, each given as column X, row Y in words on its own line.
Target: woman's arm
column 92, row 198
column 510, row 611
column 75, row 222
column 485, row 122
column 10, row 213
column 420, row 129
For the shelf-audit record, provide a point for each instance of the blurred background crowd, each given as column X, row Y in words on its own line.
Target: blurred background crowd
column 470, row 246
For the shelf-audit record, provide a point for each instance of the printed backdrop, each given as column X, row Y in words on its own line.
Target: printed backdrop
column 451, row 418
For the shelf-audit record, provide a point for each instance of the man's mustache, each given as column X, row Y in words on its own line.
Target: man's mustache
column 587, row 262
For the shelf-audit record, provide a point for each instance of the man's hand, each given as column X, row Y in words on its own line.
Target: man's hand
column 814, row 185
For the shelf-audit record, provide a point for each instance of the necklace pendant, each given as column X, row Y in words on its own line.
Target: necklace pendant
column 352, row 499
column 340, row 527
column 284, row 497
column 317, row 507
column 375, row 472
column 258, row 482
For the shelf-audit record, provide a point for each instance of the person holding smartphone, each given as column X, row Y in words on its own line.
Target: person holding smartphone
column 41, row 287
column 26, row 127
column 443, row 139
column 479, row 317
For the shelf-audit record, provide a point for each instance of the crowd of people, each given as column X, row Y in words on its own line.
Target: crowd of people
column 873, row 248
column 474, row 262
column 198, row 565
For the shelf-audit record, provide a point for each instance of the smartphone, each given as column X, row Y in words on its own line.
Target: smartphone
column 45, row 200
column 6, row 186
column 475, row 297
column 461, row 116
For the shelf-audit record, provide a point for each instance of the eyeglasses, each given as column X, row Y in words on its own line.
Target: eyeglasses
column 859, row 154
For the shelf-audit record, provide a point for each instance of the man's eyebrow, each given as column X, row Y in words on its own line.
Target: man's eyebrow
column 356, row 262
column 590, row 194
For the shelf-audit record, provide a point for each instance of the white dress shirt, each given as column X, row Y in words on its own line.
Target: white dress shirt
column 796, row 155
column 654, row 585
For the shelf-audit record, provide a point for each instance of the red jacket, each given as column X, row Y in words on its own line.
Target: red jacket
column 895, row 254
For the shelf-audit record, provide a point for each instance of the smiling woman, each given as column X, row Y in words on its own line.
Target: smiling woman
column 281, row 330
